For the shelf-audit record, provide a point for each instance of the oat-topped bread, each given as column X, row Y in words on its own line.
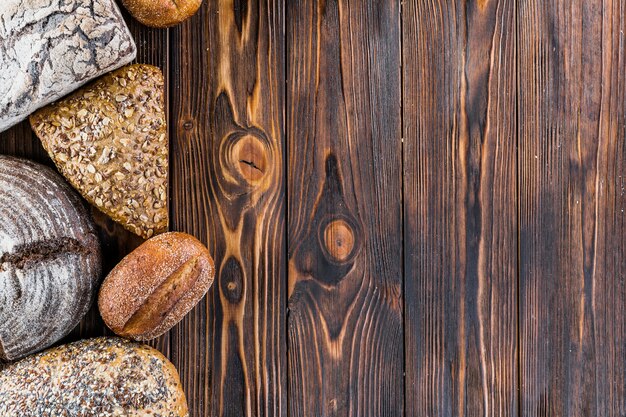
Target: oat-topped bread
column 49, row 258
column 109, row 139
column 49, row 48
column 93, row 378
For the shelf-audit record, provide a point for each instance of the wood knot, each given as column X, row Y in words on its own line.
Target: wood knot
column 252, row 159
column 231, row 281
column 246, row 159
column 339, row 240
column 329, row 254
column 188, row 125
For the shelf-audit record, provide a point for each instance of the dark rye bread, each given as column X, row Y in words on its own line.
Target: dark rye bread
column 50, row 262
column 49, row 48
column 93, row 378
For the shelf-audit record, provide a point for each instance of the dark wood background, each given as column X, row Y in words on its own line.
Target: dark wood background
column 416, row 208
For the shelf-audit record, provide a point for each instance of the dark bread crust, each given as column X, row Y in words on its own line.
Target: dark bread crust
column 50, row 260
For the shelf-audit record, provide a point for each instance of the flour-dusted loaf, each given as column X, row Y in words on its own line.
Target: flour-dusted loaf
column 93, row 378
column 109, row 139
column 50, row 262
column 49, row 48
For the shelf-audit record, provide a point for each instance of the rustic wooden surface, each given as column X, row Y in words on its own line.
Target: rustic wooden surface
column 571, row 103
column 344, row 220
column 416, row 208
column 460, row 188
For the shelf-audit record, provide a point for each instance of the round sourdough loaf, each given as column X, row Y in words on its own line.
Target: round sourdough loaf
column 96, row 377
column 50, row 262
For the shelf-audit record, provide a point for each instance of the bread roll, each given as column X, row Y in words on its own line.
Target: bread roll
column 156, row 285
column 162, row 13
column 109, row 139
column 49, row 258
column 49, row 48
column 93, row 378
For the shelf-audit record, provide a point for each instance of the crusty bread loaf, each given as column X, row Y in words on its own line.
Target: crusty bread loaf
column 156, row 285
column 49, row 48
column 50, row 262
column 93, row 378
column 109, row 139
column 162, row 13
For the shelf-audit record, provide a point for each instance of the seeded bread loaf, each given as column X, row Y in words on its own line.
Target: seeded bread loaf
column 93, row 378
column 49, row 48
column 109, row 139
column 49, row 258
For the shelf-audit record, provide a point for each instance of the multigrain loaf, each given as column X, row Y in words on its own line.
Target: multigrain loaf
column 109, row 139
column 50, row 260
column 162, row 13
column 156, row 285
column 49, row 48
column 93, row 378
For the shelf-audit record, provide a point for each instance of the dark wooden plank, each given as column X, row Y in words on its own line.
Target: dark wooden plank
column 21, row 141
column 460, row 176
column 228, row 189
column 345, row 333
column 572, row 231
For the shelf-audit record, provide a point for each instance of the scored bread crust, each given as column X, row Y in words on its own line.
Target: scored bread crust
column 162, row 13
column 96, row 377
column 109, row 139
column 139, row 274
column 50, row 259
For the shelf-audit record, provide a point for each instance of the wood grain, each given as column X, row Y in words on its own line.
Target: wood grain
column 344, row 189
column 325, row 148
column 460, row 208
column 572, row 160
column 228, row 190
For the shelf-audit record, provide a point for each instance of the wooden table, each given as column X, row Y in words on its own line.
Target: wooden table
column 415, row 208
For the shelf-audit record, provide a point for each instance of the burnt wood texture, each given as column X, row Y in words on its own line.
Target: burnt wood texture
column 344, row 220
column 571, row 102
column 415, row 208
column 460, row 184
column 228, row 180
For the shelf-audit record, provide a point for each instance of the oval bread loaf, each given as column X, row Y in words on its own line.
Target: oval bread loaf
column 50, row 261
column 96, row 377
column 156, row 285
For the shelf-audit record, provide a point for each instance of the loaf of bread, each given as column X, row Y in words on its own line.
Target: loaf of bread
column 162, row 13
column 109, row 139
column 50, row 262
column 156, row 285
column 50, row 47
column 93, row 378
